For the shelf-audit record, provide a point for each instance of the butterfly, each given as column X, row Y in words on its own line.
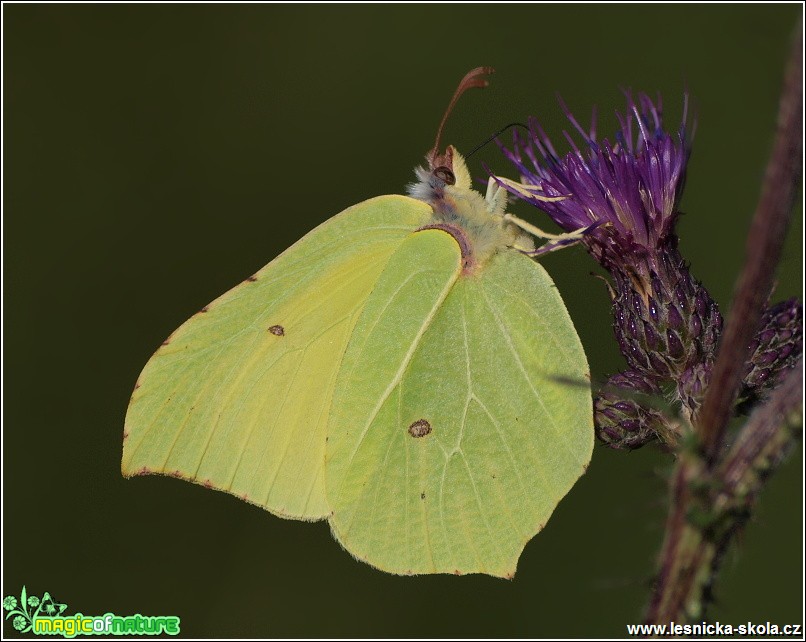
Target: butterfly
column 397, row 372
column 49, row 606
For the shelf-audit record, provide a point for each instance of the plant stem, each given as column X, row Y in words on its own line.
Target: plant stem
column 764, row 243
column 712, row 491
column 709, row 508
column 765, row 439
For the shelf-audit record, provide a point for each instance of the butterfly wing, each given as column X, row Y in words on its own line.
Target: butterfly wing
column 473, row 434
column 238, row 397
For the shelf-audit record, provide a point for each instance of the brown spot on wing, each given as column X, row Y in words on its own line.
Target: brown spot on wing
column 419, row 428
column 251, row 279
column 277, row 330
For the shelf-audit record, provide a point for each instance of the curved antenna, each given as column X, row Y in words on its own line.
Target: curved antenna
column 494, row 136
column 473, row 78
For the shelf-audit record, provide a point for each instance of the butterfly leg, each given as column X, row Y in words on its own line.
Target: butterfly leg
column 555, row 241
column 496, row 197
column 554, row 245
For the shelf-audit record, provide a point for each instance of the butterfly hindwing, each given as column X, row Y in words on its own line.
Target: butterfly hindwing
column 468, row 449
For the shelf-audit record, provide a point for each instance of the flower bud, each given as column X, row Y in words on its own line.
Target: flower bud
column 621, row 421
column 664, row 320
column 777, row 347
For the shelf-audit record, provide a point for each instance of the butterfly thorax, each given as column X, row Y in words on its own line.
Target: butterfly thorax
column 476, row 222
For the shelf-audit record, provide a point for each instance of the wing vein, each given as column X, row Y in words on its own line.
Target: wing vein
column 404, row 362
column 522, row 368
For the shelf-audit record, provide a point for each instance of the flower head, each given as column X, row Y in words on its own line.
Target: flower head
column 625, row 193
column 632, row 185
column 9, row 603
column 33, row 601
column 624, row 196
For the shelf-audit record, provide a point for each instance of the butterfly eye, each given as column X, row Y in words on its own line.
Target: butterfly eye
column 446, row 175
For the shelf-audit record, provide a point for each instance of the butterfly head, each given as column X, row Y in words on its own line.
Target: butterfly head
column 478, row 222
column 445, row 174
column 447, row 171
column 448, row 168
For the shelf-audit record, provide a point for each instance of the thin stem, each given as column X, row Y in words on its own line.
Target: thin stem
column 764, row 243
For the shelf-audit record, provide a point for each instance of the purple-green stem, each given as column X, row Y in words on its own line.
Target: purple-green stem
column 712, row 489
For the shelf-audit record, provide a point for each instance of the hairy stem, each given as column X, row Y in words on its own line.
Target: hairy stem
column 712, row 491
column 766, row 437
column 764, row 243
column 710, row 507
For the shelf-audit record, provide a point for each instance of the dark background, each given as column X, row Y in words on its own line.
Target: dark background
column 157, row 155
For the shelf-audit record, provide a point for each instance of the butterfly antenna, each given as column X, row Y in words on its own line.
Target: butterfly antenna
column 473, row 78
column 494, row 136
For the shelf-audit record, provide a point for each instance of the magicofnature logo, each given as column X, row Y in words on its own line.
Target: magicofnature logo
column 44, row 616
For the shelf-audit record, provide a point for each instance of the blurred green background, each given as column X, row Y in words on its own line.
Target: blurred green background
column 156, row 155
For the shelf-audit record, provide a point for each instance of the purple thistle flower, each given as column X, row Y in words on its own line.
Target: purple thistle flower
column 667, row 326
column 665, row 322
column 633, row 184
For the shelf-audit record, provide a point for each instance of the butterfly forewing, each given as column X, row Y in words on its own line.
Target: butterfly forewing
column 238, row 398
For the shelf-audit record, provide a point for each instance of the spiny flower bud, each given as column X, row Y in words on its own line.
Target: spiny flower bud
column 664, row 320
column 622, row 422
column 776, row 348
column 691, row 386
